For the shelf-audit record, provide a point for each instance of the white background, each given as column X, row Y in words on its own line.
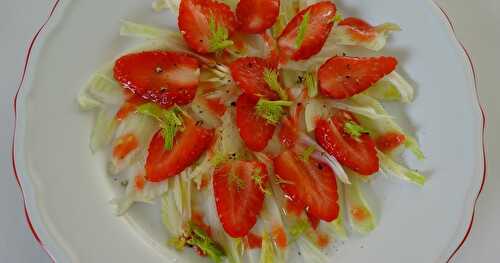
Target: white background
column 477, row 25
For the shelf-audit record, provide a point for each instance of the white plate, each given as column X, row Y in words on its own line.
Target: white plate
column 67, row 191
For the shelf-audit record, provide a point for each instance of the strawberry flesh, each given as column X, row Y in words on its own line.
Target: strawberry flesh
column 342, row 77
column 238, row 198
column 188, row 146
column 194, row 22
column 255, row 16
column 288, row 133
column 358, row 154
column 390, row 141
column 254, row 130
column 248, row 73
column 359, row 29
column 310, row 182
column 162, row 77
column 317, row 30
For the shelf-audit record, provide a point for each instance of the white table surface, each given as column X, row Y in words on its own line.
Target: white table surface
column 477, row 25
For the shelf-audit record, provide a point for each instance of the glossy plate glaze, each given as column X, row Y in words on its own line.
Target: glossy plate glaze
column 67, row 191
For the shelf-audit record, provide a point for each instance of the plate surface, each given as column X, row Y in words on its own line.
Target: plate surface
column 67, row 191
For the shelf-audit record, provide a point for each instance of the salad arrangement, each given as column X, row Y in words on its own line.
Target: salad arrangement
column 254, row 123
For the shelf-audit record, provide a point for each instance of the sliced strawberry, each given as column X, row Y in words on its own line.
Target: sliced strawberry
column 288, row 133
column 390, row 141
column 253, row 241
column 254, row 130
column 238, row 197
column 342, row 77
column 273, row 57
column 215, row 105
column 255, row 16
column 194, row 21
column 163, row 77
column 294, row 207
column 313, row 221
column 311, row 182
column 188, row 146
column 359, row 29
column 316, row 32
column 248, row 73
column 124, row 145
column 279, row 236
column 129, row 106
column 239, row 40
column 358, row 154
column 139, row 182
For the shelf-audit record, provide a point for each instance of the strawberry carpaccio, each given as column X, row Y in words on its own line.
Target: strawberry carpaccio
column 256, row 124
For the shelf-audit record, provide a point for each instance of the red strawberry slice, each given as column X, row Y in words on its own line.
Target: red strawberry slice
column 273, row 57
column 289, row 132
column 238, row 197
column 343, row 77
column 358, row 154
column 294, row 207
column 359, row 29
column 313, row 221
column 194, row 21
column 248, row 73
column 189, row 145
column 216, row 106
column 390, row 141
column 255, row 131
column 255, row 16
column 253, row 241
column 318, row 27
column 311, row 182
column 163, row 77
